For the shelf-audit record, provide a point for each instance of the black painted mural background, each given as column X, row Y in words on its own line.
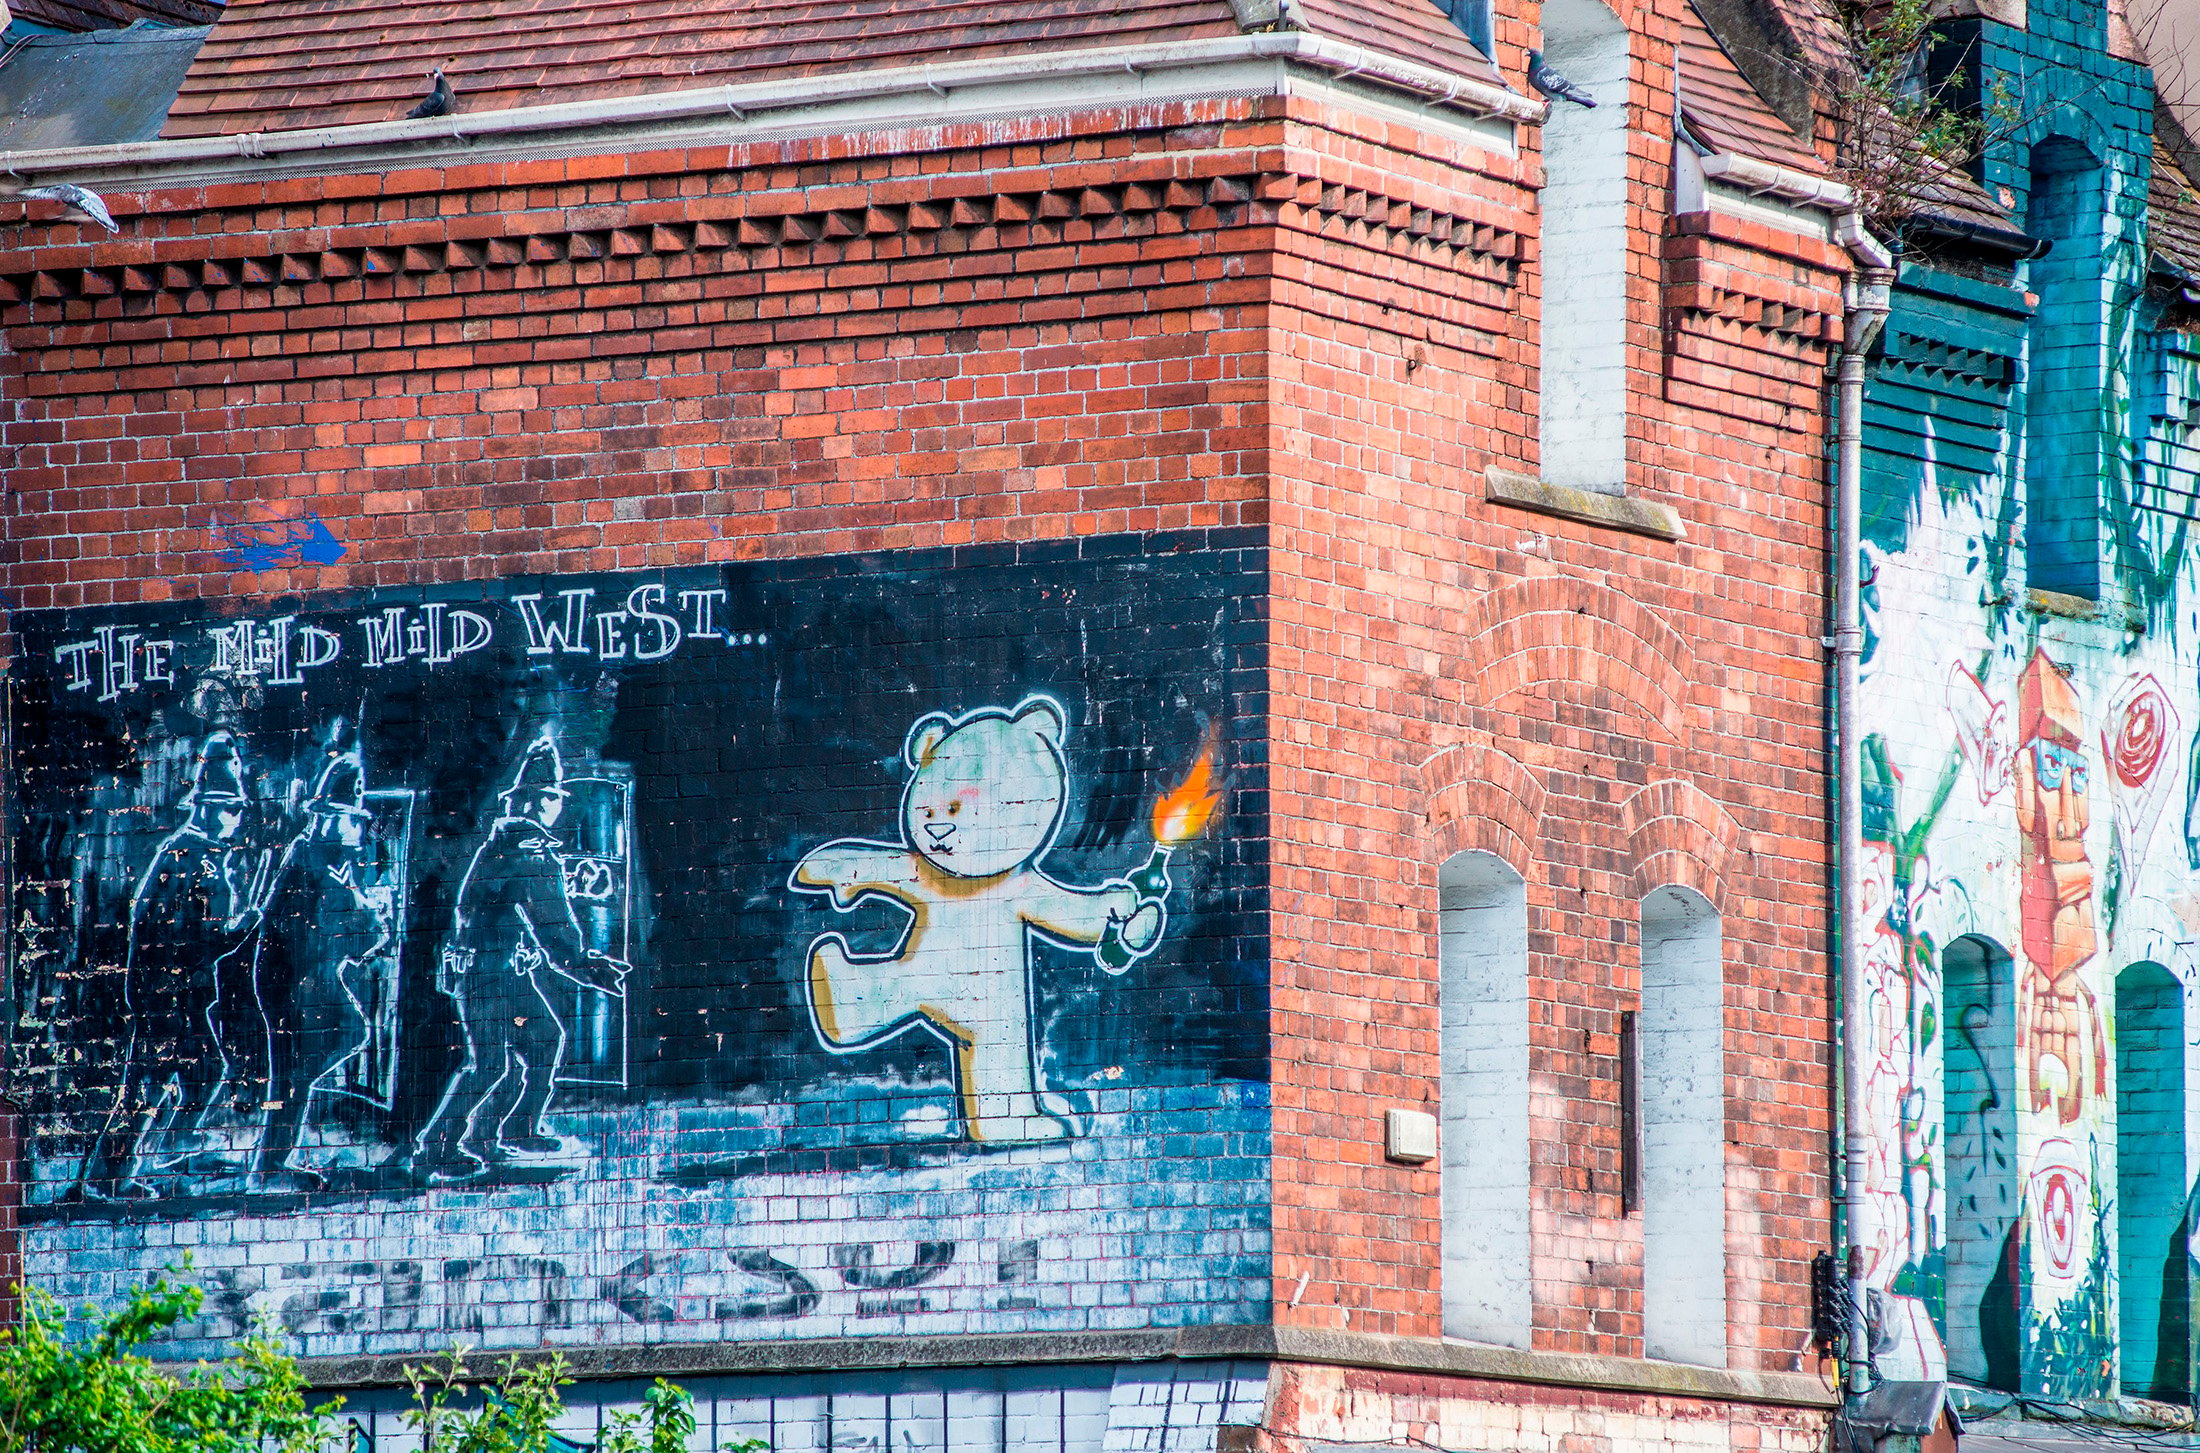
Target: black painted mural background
column 691, row 786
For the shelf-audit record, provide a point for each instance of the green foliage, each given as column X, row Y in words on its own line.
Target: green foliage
column 2073, row 1348
column 101, row 1394
column 670, row 1415
column 1896, row 136
column 517, row 1410
column 520, row 1406
column 98, row 1393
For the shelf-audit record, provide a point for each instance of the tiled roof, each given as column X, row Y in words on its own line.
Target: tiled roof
column 1950, row 195
column 1726, row 113
column 1414, row 30
column 1816, row 35
column 2173, row 212
column 280, row 64
column 113, row 14
column 1724, row 110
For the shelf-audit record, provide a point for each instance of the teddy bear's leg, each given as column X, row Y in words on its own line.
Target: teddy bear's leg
column 993, row 1067
column 850, row 998
column 1000, row 1102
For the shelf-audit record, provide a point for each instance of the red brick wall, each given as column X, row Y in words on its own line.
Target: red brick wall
column 1007, row 334
column 652, row 360
column 1203, row 315
column 1606, row 712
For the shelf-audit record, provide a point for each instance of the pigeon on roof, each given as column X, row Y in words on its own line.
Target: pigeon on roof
column 1554, row 85
column 77, row 203
column 440, row 100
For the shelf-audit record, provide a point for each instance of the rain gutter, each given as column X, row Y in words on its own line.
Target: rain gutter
column 1764, row 179
column 747, row 101
column 2006, row 242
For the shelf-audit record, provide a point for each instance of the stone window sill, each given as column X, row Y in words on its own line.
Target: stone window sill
column 1612, row 511
column 2079, row 608
column 2056, row 603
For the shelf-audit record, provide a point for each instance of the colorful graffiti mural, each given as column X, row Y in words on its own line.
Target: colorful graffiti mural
column 1994, row 1100
column 2022, row 758
column 564, row 903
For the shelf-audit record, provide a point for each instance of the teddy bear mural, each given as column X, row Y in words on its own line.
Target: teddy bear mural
column 985, row 799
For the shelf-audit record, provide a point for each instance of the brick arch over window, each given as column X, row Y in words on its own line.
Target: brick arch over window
column 1481, row 799
column 1557, row 628
column 1679, row 835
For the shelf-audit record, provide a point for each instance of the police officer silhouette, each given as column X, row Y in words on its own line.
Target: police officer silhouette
column 514, row 927
column 317, row 929
column 181, row 983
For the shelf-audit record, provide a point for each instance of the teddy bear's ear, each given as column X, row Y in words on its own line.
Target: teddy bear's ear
column 925, row 737
column 1043, row 715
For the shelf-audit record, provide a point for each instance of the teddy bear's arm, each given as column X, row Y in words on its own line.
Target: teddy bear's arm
column 1075, row 915
column 851, row 869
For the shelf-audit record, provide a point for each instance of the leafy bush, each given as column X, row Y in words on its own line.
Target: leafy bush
column 99, row 1393
column 521, row 1403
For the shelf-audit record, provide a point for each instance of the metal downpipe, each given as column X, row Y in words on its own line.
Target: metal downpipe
column 1866, row 314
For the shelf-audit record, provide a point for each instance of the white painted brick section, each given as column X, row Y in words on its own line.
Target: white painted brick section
column 1584, row 201
column 1335, row 1409
column 1487, row 1283
column 1683, row 1130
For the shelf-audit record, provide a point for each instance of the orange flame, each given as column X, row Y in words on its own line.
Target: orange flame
column 1183, row 812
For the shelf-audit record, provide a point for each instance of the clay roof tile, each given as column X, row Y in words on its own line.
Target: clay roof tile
column 83, row 15
column 283, row 64
column 1413, row 30
column 1724, row 110
column 2173, row 214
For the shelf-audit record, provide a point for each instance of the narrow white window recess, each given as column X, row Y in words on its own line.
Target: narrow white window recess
column 1583, row 423
column 1683, row 1029
column 1483, row 992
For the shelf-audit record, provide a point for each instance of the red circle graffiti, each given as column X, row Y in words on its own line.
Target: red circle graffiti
column 2059, row 1220
column 2140, row 741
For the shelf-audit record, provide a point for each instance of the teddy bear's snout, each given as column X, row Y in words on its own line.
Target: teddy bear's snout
column 939, row 832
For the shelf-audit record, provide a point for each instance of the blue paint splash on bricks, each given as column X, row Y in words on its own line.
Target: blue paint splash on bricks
column 276, row 544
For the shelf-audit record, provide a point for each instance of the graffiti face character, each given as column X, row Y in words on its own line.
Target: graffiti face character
column 983, row 804
column 2058, row 1018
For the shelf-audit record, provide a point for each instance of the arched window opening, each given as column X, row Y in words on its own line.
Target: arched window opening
column 1585, row 261
column 1979, row 1098
column 1483, row 992
column 2154, row 1312
column 1683, row 1033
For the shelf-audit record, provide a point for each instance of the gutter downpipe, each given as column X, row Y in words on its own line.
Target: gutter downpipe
column 1867, row 306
